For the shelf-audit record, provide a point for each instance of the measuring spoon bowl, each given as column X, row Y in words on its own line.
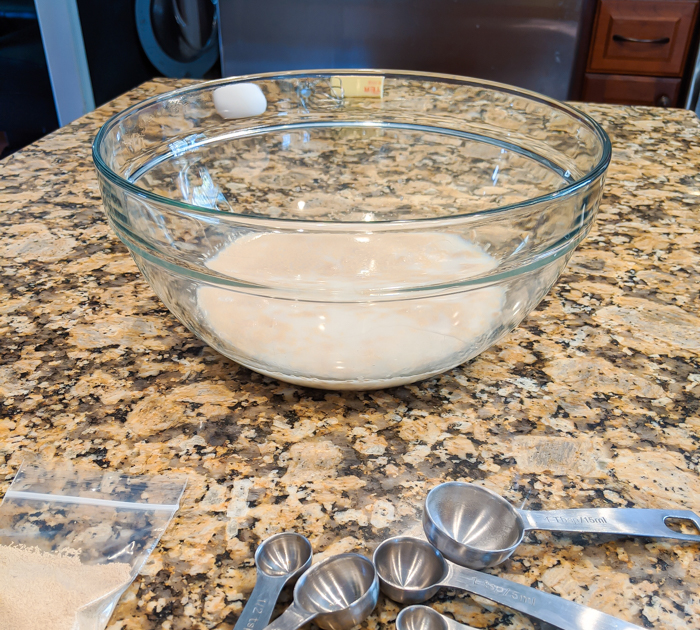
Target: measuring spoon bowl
column 411, row 571
column 284, row 555
column 337, row 594
column 279, row 559
column 425, row 618
column 478, row 528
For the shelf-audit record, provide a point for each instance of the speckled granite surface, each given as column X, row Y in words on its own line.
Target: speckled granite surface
column 592, row 401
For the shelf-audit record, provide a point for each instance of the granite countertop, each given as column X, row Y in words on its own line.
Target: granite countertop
column 592, row 401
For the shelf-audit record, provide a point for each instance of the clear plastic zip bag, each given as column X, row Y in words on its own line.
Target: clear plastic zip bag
column 72, row 541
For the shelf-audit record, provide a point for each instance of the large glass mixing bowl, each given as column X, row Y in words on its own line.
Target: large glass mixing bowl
column 353, row 229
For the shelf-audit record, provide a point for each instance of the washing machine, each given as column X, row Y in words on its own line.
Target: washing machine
column 98, row 50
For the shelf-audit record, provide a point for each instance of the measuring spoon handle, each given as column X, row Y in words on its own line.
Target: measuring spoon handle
column 552, row 609
column 292, row 618
column 623, row 521
column 258, row 609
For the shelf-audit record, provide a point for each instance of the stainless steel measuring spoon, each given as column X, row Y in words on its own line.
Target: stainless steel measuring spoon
column 478, row 528
column 425, row 618
column 337, row 594
column 279, row 559
column 411, row 571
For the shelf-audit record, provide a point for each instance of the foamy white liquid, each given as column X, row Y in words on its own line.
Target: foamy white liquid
column 372, row 342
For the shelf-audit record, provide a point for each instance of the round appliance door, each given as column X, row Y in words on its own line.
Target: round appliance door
column 180, row 37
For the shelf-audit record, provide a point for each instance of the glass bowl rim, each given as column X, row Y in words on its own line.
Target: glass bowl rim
column 567, row 191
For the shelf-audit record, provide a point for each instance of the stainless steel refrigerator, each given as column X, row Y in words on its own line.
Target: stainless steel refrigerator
column 534, row 44
column 693, row 99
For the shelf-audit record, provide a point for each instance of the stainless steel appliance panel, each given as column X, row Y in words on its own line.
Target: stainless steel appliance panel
column 528, row 43
column 693, row 99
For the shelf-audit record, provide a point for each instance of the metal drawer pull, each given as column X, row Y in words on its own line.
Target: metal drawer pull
column 634, row 40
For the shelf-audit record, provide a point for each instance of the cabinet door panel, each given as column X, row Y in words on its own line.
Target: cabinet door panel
column 631, row 90
column 645, row 37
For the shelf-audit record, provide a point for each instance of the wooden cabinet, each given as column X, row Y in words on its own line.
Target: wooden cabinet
column 631, row 90
column 639, row 50
column 642, row 37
